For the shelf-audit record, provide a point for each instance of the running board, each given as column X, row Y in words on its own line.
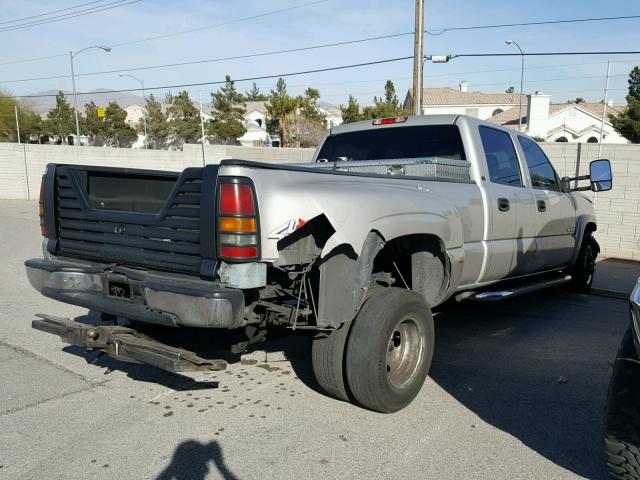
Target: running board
column 126, row 344
column 496, row 295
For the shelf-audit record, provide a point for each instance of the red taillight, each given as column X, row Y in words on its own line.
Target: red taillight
column 238, row 233
column 236, row 199
column 228, row 251
column 389, row 121
column 43, row 228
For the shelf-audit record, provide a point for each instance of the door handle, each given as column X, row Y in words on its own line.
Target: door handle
column 503, row 204
column 542, row 206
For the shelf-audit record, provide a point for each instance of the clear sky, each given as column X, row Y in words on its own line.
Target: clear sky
column 325, row 22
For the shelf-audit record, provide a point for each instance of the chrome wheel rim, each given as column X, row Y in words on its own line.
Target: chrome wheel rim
column 405, row 352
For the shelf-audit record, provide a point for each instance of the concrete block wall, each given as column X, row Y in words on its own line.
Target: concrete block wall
column 13, row 171
column 21, row 166
column 617, row 211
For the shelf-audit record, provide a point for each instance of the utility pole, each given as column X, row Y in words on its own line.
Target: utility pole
column 15, row 107
column 202, row 128
column 604, row 108
column 418, row 54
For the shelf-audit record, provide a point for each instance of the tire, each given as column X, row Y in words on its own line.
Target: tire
column 584, row 269
column 327, row 358
column 389, row 350
column 622, row 418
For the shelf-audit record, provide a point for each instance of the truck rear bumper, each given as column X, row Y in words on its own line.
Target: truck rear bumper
column 162, row 299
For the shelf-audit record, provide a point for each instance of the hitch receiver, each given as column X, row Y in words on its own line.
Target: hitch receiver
column 126, row 344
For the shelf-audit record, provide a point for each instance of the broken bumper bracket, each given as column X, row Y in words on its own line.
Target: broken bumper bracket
column 126, row 344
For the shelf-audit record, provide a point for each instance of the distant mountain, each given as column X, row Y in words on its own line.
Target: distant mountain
column 42, row 104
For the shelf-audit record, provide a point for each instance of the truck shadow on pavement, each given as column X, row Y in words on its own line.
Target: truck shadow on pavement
column 536, row 368
column 192, row 461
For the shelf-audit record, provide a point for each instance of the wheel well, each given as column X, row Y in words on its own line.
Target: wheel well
column 418, row 262
column 590, row 228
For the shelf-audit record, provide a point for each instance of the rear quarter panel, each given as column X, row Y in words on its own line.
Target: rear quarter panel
column 356, row 205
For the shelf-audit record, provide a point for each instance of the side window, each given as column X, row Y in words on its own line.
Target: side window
column 501, row 157
column 542, row 173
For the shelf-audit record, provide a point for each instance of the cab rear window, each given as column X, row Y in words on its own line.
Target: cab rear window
column 422, row 141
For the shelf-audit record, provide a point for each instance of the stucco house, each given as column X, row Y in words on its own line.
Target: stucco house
column 461, row 101
column 555, row 122
column 332, row 113
column 563, row 122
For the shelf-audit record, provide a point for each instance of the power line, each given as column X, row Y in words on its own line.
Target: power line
column 51, row 12
column 528, row 24
column 322, row 1
column 229, row 22
column 35, row 59
column 216, row 25
column 303, row 72
column 290, row 50
column 196, row 62
column 219, row 82
column 88, row 11
column 542, row 54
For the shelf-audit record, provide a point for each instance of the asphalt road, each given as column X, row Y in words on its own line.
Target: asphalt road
column 516, row 390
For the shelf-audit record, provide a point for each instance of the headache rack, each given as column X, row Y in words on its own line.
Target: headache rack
column 177, row 237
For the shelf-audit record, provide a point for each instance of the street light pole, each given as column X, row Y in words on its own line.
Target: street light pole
column 509, row 42
column 144, row 113
column 73, row 83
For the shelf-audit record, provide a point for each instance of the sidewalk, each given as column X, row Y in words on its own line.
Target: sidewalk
column 615, row 277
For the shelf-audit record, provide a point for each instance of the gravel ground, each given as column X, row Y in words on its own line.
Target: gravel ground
column 516, row 390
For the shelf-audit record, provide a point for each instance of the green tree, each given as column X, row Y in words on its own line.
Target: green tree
column 255, row 95
column 634, row 83
column 30, row 122
column 351, row 111
column 309, row 107
column 281, row 108
column 577, row 100
column 511, row 89
column 229, row 109
column 390, row 97
column 184, row 118
column 60, row 119
column 116, row 128
column 627, row 123
column 157, row 125
column 386, row 107
column 91, row 124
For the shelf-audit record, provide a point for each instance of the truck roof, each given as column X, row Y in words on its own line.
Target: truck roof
column 412, row 120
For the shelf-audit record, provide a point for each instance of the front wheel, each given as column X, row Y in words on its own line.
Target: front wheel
column 389, row 350
column 584, row 269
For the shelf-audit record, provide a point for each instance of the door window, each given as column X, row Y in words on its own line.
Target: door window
column 542, row 173
column 501, row 157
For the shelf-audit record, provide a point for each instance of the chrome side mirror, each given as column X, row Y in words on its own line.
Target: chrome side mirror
column 600, row 175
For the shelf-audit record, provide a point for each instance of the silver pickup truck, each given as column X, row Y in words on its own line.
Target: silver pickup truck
column 394, row 217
